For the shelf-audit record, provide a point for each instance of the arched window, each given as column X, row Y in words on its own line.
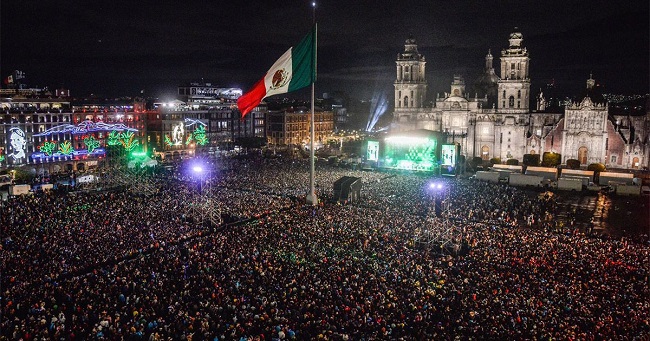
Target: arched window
column 518, row 93
column 406, row 101
column 511, row 101
column 504, row 94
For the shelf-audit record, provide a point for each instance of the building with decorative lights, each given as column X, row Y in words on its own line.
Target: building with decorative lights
column 49, row 134
column 204, row 111
column 498, row 122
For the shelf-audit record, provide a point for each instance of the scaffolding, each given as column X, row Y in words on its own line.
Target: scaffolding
column 204, row 208
column 438, row 231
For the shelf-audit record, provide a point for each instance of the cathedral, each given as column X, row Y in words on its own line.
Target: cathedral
column 496, row 121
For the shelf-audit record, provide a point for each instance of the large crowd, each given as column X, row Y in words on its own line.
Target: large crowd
column 126, row 264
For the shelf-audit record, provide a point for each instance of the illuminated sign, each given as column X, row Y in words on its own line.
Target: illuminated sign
column 216, row 92
column 85, row 127
column 373, row 151
column 18, row 142
column 448, row 156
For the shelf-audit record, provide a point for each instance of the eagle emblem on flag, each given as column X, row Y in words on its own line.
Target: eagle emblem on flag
column 280, row 79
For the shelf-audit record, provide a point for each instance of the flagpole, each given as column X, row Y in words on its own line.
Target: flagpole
column 312, row 199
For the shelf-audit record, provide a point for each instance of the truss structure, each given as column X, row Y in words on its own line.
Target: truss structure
column 204, row 209
column 438, row 230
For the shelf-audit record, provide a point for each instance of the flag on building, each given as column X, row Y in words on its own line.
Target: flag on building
column 295, row 69
column 9, row 80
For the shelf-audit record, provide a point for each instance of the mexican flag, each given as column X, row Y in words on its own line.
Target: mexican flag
column 295, row 69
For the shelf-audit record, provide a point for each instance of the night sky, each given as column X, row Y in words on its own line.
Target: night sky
column 117, row 48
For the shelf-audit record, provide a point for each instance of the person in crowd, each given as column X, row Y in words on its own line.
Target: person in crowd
column 138, row 265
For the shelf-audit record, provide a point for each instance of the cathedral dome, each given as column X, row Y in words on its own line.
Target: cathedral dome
column 487, row 78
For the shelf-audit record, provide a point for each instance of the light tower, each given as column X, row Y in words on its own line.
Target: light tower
column 438, row 230
column 203, row 208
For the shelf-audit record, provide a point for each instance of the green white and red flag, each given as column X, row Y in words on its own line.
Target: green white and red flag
column 294, row 70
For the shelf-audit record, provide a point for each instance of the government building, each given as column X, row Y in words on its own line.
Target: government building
column 496, row 120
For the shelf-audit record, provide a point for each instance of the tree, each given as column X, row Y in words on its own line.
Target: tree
column 476, row 161
column 550, row 159
column 596, row 167
column 22, row 176
column 495, row 160
column 512, row 162
column 573, row 164
column 531, row 160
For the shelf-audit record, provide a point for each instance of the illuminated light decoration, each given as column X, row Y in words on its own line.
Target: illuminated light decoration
column 85, row 127
column 178, row 132
column 113, row 138
column 128, row 141
column 190, row 122
column 199, row 135
column 2, row 154
column 189, row 139
column 65, row 148
column 139, row 154
column 18, row 143
column 48, row 148
column 91, row 143
column 98, row 152
column 168, row 141
column 410, row 153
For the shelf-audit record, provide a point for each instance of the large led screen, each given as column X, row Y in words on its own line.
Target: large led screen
column 410, row 153
column 449, row 155
column 373, row 151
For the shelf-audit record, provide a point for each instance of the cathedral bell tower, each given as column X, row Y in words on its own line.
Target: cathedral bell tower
column 514, row 85
column 410, row 84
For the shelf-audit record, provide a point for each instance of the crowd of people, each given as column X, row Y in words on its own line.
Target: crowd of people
column 120, row 264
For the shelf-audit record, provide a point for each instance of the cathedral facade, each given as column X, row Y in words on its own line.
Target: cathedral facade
column 497, row 121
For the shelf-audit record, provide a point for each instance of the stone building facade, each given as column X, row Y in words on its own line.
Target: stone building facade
column 498, row 122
